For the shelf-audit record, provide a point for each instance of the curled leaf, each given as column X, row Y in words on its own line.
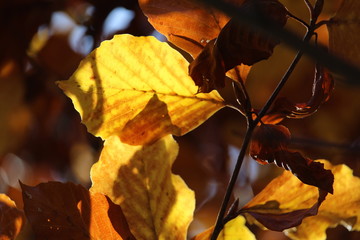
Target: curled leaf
column 12, row 219
column 267, row 140
column 157, row 204
column 238, row 43
column 269, row 145
column 271, row 216
column 67, row 211
column 138, row 88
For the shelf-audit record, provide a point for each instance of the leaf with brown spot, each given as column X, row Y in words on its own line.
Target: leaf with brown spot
column 12, row 219
column 157, row 204
column 138, row 88
column 283, row 108
column 67, row 211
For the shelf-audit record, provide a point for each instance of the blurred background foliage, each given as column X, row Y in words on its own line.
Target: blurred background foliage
column 42, row 139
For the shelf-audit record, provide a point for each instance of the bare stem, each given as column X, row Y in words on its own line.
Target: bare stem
column 220, row 219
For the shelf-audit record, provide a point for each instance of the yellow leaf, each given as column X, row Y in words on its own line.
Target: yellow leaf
column 138, row 88
column 291, row 194
column 233, row 230
column 156, row 203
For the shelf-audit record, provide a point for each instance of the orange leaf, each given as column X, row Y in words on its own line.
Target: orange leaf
column 68, row 211
column 186, row 23
column 157, row 204
column 11, row 218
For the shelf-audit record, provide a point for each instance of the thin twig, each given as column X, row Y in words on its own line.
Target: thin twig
column 219, row 222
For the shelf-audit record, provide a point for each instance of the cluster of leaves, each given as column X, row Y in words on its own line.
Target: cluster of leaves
column 134, row 92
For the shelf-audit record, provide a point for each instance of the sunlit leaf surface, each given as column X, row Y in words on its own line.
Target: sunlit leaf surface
column 186, row 23
column 138, row 88
column 157, row 204
column 11, row 218
column 67, row 211
column 286, row 194
column 233, row 230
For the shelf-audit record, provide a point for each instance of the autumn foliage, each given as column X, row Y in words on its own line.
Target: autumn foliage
column 140, row 96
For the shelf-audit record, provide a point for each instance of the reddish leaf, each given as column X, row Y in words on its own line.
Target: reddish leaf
column 267, row 140
column 237, row 43
column 11, row 218
column 68, row 211
column 268, row 214
column 284, row 108
column 269, row 144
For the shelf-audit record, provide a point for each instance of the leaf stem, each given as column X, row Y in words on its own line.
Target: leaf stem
column 220, row 219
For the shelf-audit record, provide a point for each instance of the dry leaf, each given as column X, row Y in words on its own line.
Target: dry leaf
column 156, row 203
column 287, row 194
column 283, row 108
column 341, row 208
column 11, row 218
column 138, row 88
column 233, row 230
column 68, row 211
column 344, row 38
column 269, row 144
column 237, row 44
column 186, row 23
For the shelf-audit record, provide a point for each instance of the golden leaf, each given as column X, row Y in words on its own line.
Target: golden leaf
column 156, row 203
column 286, row 193
column 138, row 88
column 233, row 230
column 11, row 218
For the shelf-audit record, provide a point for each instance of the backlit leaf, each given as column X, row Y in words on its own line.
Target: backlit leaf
column 138, row 88
column 287, row 194
column 186, row 23
column 269, row 144
column 237, row 44
column 344, row 38
column 157, row 204
column 233, row 230
column 284, row 108
column 67, row 211
column 11, row 218
column 341, row 208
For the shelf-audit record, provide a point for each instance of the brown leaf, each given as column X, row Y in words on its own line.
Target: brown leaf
column 269, row 144
column 237, row 43
column 12, row 219
column 186, row 23
column 267, row 140
column 344, row 35
column 284, row 108
column 272, row 217
column 68, row 211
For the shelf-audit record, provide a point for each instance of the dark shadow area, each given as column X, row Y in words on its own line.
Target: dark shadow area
column 152, row 123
